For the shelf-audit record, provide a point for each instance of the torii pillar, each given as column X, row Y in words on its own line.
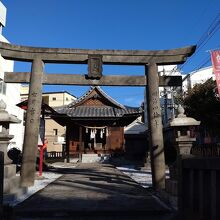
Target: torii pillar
column 155, row 126
column 28, row 167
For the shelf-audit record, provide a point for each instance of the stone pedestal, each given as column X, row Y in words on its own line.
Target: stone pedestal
column 12, row 189
column 4, row 141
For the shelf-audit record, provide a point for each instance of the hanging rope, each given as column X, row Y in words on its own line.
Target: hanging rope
column 89, row 127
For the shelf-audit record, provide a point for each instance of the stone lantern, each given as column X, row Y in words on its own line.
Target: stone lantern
column 11, row 181
column 5, row 120
column 183, row 127
column 183, row 138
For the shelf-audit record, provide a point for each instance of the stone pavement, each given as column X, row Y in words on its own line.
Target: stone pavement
column 92, row 191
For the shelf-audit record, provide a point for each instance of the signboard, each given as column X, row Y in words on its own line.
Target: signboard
column 95, row 66
column 215, row 57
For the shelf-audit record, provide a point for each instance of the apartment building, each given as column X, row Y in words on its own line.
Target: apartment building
column 10, row 93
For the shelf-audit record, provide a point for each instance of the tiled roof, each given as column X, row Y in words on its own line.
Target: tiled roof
column 44, row 107
column 97, row 88
column 114, row 110
column 94, row 111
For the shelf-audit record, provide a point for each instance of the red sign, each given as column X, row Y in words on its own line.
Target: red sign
column 215, row 57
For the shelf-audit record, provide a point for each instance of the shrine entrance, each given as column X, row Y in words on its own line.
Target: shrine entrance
column 95, row 59
column 95, row 139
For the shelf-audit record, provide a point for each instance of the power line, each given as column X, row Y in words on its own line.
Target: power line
column 207, row 35
column 203, row 63
column 204, row 11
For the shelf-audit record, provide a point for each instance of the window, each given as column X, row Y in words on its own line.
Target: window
column 2, row 87
column 54, row 98
column 67, row 99
column 55, row 132
column 45, row 99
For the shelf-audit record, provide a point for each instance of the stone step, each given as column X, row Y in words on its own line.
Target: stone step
column 90, row 158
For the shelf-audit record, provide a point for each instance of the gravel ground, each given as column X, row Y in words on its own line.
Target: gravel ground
column 142, row 177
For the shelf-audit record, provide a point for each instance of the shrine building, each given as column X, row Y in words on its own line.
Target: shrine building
column 95, row 123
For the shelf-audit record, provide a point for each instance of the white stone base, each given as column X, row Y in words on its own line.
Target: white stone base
column 12, row 188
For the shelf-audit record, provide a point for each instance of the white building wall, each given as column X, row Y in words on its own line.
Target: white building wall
column 198, row 76
column 11, row 98
column 2, row 14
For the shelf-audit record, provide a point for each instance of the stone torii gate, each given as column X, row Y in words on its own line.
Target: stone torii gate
column 94, row 58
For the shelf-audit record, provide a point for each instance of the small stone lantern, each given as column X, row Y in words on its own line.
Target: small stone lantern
column 184, row 137
column 5, row 120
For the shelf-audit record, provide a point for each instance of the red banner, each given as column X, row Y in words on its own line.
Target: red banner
column 215, row 57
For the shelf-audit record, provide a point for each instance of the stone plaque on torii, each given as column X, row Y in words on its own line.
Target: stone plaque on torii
column 95, row 59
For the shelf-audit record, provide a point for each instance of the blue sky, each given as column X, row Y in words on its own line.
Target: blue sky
column 112, row 24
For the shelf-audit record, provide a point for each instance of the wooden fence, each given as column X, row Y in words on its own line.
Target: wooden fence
column 56, row 155
column 1, row 182
column 199, row 188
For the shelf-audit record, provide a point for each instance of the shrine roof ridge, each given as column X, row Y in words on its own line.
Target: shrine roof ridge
column 75, row 102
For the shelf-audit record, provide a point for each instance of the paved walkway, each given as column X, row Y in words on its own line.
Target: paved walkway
column 92, row 191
